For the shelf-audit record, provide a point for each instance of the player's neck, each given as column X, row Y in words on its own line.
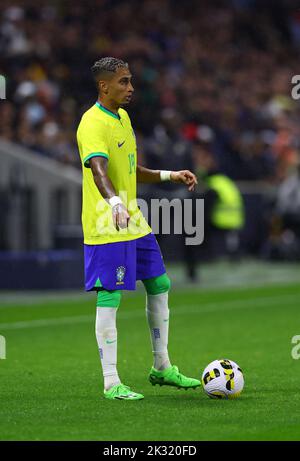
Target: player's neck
column 109, row 105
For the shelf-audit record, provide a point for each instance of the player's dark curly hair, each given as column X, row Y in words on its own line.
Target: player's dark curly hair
column 106, row 66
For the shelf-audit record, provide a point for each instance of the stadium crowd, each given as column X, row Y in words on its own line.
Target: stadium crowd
column 218, row 71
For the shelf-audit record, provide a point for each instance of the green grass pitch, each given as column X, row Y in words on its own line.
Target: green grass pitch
column 51, row 382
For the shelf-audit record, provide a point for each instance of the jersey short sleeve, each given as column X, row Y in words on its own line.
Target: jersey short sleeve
column 92, row 140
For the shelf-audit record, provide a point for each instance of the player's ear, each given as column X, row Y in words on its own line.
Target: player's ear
column 103, row 87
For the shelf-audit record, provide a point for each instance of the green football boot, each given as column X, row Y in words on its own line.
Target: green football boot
column 172, row 377
column 122, row 392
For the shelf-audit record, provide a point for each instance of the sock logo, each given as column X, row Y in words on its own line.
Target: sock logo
column 110, row 342
column 156, row 333
column 101, row 353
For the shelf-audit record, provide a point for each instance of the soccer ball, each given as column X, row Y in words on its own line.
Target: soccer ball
column 223, row 379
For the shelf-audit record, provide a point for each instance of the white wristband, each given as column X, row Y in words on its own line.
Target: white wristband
column 115, row 200
column 165, row 175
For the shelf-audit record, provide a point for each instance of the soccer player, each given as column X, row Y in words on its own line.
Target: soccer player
column 119, row 246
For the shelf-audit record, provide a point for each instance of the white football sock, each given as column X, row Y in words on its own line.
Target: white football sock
column 106, row 334
column 157, row 313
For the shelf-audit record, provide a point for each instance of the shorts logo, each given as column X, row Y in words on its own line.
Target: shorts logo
column 120, row 273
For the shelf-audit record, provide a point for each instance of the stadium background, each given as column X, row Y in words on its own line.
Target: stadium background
column 212, row 80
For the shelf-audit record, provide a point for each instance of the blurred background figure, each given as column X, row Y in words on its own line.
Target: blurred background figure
column 212, row 92
column 168, row 149
column 284, row 242
column 224, row 204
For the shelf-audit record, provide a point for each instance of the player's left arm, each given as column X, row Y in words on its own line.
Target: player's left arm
column 145, row 175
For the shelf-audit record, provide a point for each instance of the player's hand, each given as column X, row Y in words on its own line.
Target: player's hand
column 185, row 177
column 120, row 216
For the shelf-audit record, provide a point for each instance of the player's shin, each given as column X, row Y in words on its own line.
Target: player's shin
column 157, row 313
column 106, row 333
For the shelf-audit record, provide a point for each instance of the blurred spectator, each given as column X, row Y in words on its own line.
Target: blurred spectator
column 166, row 148
column 224, row 205
column 223, row 64
column 285, row 226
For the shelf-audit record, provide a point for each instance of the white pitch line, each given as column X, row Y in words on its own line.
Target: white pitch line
column 13, row 301
column 190, row 309
column 46, row 322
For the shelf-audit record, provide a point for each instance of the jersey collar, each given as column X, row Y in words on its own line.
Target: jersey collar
column 108, row 112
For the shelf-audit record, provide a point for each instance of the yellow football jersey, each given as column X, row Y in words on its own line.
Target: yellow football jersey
column 101, row 133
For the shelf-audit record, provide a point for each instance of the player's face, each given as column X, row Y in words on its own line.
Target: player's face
column 120, row 88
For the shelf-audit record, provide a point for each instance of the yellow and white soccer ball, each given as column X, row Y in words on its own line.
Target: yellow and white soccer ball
column 223, row 379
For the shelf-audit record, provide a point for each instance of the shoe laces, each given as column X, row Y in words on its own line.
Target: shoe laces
column 175, row 368
column 122, row 386
column 178, row 374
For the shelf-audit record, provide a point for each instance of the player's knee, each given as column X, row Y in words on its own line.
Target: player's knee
column 157, row 285
column 107, row 298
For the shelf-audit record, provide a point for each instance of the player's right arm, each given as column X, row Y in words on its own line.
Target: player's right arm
column 93, row 143
column 120, row 214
